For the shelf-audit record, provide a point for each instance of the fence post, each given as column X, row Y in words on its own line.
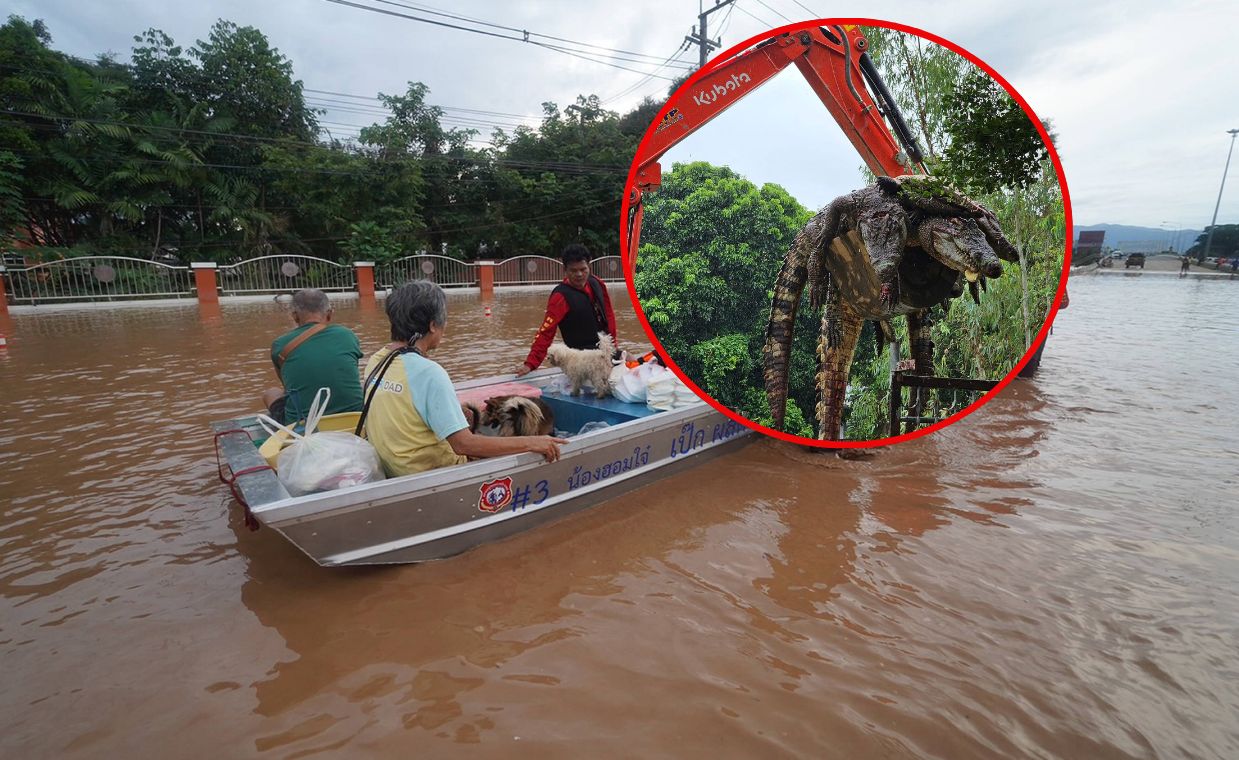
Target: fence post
column 4, row 299
column 205, row 281
column 896, row 404
column 486, row 278
column 364, row 278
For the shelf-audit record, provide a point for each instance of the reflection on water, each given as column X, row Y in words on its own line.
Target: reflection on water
column 1054, row 576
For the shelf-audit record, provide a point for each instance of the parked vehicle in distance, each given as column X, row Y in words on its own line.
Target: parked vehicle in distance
column 1134, row 260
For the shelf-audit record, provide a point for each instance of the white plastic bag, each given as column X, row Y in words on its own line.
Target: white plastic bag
column 628, row 385
column 323, row 461
column 665, row 391
column 660, row 390
column 684, row 395
column 327, row 461
column 558, row 386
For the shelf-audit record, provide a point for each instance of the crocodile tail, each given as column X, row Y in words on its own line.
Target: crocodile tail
column 788, row 287
column 776, row 352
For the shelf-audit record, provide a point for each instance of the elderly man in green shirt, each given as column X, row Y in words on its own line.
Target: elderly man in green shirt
column 316, row 354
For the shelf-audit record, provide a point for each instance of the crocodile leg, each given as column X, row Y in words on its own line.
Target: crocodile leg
column 921, row 338
column 920, row 325
column 835, row 347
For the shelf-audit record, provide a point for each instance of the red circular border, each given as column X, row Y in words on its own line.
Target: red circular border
column 1041, row 335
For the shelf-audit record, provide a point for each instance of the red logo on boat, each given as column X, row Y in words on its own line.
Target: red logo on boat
column 496, row 495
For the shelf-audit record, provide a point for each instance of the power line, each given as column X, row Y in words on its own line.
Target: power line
column 567, row 51
column 447, row 119
column 772, row 10
column 565, row 166
column 481, row 22
column 524, row 38
column 725, row 22
column 812, row 12
column 674, row 56
column 763, row 22
column 445, row 108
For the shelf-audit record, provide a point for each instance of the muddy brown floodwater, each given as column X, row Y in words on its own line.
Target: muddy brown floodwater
column 1055, row 576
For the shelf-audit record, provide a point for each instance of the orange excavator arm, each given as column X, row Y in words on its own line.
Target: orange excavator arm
column 832, row 59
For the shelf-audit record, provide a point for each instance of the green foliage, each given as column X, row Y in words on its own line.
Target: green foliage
column 11, row 205
column 975, row 134
column 211, row 150
column 1225, row 242
column 369, row 241
column 993, row 144
column 712, row 245
column 921, row 75
column 724, row 361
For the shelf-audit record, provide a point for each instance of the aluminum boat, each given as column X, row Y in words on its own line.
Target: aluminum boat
column 439, row 513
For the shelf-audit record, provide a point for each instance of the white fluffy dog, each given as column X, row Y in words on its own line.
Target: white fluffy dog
column 585, row 366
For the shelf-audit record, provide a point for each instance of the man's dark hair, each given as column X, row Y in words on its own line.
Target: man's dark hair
column 412, row 307
column 574, row 253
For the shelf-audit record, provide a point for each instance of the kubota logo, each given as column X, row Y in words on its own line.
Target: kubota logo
column 706, row 97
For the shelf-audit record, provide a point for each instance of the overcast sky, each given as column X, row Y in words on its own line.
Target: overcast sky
column 1141, row 95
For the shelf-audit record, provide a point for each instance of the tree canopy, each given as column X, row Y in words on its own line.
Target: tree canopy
column 1225, row 242
column 712, row 244
column 211, row 152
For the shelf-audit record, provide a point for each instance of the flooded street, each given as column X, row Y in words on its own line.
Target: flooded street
column 1055, row 576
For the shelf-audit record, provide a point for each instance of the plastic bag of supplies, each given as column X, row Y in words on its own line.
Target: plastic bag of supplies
column 317, row 461
column 627, row 385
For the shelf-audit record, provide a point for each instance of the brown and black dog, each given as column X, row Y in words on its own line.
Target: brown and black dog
column 511, row 416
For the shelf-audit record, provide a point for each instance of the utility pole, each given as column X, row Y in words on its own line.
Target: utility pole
column 702, row 41
column 1209, row 240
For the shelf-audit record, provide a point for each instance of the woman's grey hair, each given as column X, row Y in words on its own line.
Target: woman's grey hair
column 412, row 307
column 309, row 301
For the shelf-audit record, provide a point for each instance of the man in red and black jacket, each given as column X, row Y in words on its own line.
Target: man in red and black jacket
column 580, row 307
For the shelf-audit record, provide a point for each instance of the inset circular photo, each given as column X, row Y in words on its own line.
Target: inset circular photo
column 847, row 233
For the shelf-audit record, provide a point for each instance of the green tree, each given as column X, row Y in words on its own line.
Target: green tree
column 712, row 243
column 369, row 241
column 921, row 76
column 211, row 150
column 1225, row 242
column 568, row 176
column 241, row 75
column 993, row 144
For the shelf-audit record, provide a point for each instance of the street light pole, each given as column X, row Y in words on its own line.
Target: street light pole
column 1174, row 242
column 1209, row 240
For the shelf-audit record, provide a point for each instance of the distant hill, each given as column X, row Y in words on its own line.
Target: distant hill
column 1132, row 239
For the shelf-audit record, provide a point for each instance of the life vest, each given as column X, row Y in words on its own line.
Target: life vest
column 585, row 318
